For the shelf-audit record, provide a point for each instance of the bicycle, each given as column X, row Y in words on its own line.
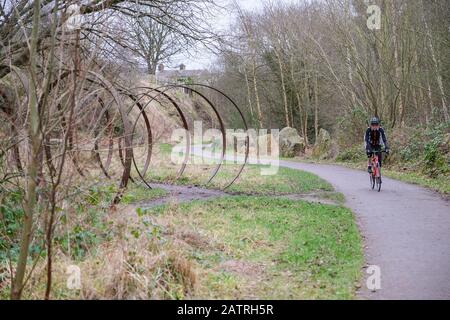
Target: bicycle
column 375, row 175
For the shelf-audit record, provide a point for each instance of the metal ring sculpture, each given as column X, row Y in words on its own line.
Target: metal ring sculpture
column 127, row 128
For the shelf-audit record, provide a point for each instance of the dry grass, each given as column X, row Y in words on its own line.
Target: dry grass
column 219, row 249
column 136, row 264
column 128, row 254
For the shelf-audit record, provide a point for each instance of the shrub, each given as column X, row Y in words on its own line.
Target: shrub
column 350, row 128
column 11, row 214
column 353, row 154
column 434, row 158
column 426, row 148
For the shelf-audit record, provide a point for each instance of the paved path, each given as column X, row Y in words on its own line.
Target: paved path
column 406, row 231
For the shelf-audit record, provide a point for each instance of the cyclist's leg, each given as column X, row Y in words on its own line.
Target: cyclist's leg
column 380, row 157
column 369, row 162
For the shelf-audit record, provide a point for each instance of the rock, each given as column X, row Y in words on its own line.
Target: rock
column 322, row 147
column 291, row 144
column 263, row 145
column 241, row 147
column 268, row 145
column 252, row 151
column 446, row 144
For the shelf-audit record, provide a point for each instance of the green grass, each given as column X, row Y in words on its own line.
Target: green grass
column 440, row 183
column 140, row 192
column 251, row 180
column 165, row 148
column 334, row 196
column 293, row 249
column 283, row 249
column 285, row 181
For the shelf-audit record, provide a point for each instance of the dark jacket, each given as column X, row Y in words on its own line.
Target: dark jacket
column 375, row 138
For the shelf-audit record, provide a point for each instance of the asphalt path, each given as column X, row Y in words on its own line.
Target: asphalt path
column 405, row 229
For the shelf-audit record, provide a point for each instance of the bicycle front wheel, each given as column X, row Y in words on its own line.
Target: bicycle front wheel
column 379, row 183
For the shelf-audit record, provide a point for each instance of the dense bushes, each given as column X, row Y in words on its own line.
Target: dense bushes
column 352, row 154
column 10, row 215
column 350, row 129
column 424, row 150
column 436, row 152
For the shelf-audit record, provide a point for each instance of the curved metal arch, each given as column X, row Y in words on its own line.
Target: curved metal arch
column 149, row 137
column 104, row 111
column 180, row 112
column 129, row 128
column 222, row 129
column 142, row 112
column 127, row 134
column 247, row 140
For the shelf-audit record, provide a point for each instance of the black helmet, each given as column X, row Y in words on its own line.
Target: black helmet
column 374, row 121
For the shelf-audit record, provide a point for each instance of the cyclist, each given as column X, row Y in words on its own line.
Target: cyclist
column 374, row 139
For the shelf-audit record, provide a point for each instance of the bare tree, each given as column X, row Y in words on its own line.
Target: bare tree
column 153, row 41
column 32, row 169
column 184, row 19
column 318, row 61
column 51, row 86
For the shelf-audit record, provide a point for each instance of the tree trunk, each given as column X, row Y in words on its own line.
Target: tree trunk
column 300, row 111
column 32, row 167
column 249, row 97
column 397, row 66
column 437, row 71
column 350, row 78
column 283, row 89
column 258, row 103
column 151, row 68
column 308, row 102
column 316, row 107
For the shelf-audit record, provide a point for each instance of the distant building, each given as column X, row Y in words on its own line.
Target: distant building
column 180, row 75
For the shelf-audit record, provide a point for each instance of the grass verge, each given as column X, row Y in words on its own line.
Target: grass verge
column 251, row 181
column 285, row 181
column 234, row 247
column 439, row 184
column 266, row 248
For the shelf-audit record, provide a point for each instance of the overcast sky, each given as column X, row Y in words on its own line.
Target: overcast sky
column 203, row 59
